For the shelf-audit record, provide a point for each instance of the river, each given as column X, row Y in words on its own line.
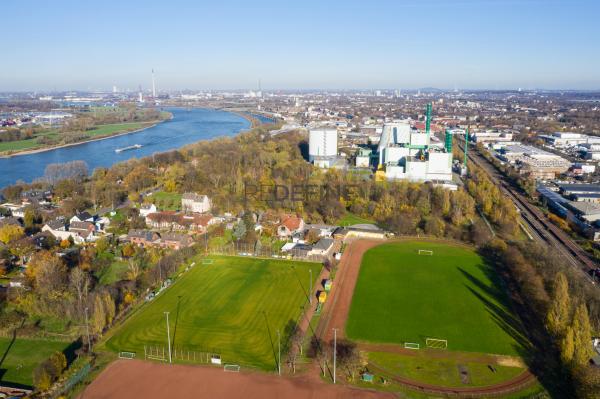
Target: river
column 186, row 126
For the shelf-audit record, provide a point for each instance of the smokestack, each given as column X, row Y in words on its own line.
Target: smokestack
column 153, row 86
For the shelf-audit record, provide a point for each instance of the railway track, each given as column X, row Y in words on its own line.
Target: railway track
column 542, row 230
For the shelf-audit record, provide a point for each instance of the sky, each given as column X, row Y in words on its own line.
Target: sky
column 302, row 44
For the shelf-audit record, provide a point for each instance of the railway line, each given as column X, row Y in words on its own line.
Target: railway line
column 540, row 228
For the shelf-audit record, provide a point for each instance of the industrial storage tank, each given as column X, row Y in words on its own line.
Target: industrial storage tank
column 322, row 143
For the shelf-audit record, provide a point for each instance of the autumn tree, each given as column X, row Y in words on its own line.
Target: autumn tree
column 582, row 336
column 10, row 233
column 560, row 306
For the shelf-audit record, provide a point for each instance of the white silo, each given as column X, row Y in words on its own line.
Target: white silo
column 322, row 144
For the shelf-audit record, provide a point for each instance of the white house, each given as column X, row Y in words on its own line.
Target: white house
column 192, row 202
column 147, row 209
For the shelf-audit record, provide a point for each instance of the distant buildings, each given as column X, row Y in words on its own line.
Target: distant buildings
column 568, row 139
column 532, row 161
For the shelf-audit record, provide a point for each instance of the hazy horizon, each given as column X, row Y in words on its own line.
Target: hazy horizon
column 468, row 44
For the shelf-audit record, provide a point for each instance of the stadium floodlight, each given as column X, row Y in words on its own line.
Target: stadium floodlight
column 334, row 351
column 310, row 295
column 279, row 352
column 168, row 337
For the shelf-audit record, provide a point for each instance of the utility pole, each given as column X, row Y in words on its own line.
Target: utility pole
column 87, row 327
column 310, row 290
column 279, row 352
column 334, row 351
column 168, row 337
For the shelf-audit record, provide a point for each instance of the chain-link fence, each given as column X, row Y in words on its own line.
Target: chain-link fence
column 244, row 249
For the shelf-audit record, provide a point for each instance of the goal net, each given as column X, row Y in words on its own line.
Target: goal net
column 235, row 368
column 207, row 261
column 126, row 355
column 425, row 252
column 436, row 343
column 411, row 345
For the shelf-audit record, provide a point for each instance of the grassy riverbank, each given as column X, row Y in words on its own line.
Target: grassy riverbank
column 60, row 139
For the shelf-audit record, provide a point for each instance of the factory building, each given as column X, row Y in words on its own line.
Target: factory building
column 323, row 147
column 491, row 137
column 568, row 139
column 538, row 164
column 407, row 153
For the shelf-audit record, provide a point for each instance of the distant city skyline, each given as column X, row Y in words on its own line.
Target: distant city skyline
column 465, row 44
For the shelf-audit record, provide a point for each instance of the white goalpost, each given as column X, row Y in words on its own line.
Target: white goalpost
column 235, row 368
column 411, row 345
column 425, row 252
column 126, row 355
column 436, row 343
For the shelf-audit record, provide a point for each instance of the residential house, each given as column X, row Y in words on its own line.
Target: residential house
column 169, row 220
column 323, row 247
column 57, row 224
column 85, row 230
column 36, row 196
column 10, row 220
column 290, row 224
column 176, row 241
column 82, row 217
column 192, row 202
column 143, row 238
column 147, row 209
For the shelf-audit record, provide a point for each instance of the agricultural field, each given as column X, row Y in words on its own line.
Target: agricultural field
column 18, row 359
column 232, row 307
column 401, row 296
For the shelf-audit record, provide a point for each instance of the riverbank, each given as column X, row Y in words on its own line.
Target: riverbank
column 91, row 139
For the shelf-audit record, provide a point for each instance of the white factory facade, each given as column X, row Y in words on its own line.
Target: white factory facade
column 323, row 147
column 406, row 153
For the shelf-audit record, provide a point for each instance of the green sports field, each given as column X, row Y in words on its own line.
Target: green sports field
column 20, row 357
column 402, row 296
column 232, row 307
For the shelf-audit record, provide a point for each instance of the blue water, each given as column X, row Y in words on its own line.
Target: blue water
column 187, row 126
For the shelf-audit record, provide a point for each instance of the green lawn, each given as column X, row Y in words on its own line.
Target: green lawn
column 401, row 297
column 232, row 307
column 350, row 219
column 18, row 145
column 103, row 130
column 112, row 273
column 441, row 372
column 23, row 356
column 166, row 201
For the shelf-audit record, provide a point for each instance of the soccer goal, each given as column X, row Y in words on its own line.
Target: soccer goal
column 436, row 343
column 126, row 355
column 425, row 252
column 208, row 261
column 411, row 345
column 233, row 368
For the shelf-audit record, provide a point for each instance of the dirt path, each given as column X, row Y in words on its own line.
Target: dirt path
column 304, row 323
column 143, row 379
column 336, row 309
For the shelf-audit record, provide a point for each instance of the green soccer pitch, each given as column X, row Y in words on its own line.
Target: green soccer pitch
column 401, row 296
column 232, row 307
